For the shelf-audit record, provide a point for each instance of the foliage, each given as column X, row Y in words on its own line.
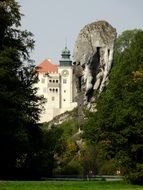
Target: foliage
column 42, row 161
column 70, row 169
column 20, row 106
column 117, row 126
column 68, row 161
column 85, row 160
column 69, row 129
column 94, row 163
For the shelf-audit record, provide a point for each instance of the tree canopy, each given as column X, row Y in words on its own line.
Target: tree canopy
column 117, row 126
column 20, row 106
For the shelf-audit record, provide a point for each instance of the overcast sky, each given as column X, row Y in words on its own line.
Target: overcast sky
column 57, row 22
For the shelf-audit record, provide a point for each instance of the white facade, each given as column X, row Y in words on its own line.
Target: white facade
column 56, row 85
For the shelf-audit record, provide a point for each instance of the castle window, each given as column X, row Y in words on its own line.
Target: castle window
column 64, row 91
column 53, row 81
column 53, row 98
column 53, row 90
column 64, row 81
column 56, row 90
column 50, row 80
column 43, row 80
column 57, row 81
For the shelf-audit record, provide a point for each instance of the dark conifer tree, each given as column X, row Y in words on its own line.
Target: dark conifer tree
column 19, row 105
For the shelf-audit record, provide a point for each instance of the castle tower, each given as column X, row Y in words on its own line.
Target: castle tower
column 65, row 58
column 56, row 85
column 66, row 78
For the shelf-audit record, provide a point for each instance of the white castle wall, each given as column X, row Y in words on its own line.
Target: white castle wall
column 57, row 88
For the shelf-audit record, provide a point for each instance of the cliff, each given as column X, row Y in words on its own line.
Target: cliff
column 92, row 60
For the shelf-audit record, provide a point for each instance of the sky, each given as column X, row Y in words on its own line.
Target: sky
column 57, row 23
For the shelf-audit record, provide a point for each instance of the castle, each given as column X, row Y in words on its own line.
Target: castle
column 56, row 84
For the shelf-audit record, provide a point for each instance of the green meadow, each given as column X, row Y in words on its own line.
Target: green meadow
column 67, row 185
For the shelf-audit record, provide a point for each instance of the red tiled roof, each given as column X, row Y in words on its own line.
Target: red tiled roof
column 47, row 67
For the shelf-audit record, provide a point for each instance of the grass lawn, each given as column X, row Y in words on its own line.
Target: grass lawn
column 67, row 185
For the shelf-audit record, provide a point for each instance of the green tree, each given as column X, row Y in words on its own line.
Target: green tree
column 117, row 126
column 42, row 161
column 69, row 162
column 19, row 104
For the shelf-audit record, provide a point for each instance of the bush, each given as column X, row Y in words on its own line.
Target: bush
column 73, row 168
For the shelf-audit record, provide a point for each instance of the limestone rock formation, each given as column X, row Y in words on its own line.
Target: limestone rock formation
column 92, row 59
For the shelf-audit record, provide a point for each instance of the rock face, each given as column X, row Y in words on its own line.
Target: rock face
column 92, row 59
